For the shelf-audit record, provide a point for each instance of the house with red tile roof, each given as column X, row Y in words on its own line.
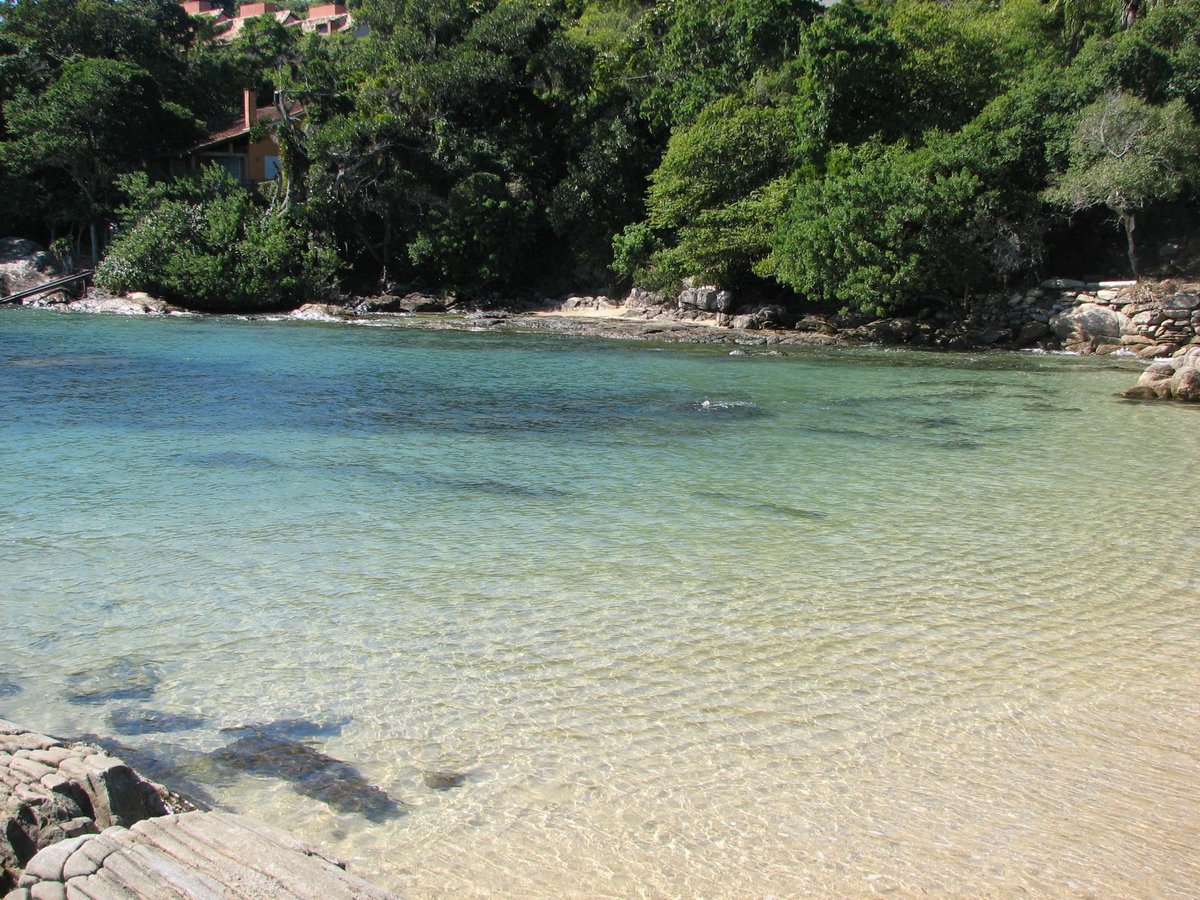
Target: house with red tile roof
column 322, row 18
column 229, row 145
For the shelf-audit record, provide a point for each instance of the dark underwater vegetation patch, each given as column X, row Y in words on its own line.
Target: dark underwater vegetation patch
column 310, row 773
column 128, row 678
column 134, row 721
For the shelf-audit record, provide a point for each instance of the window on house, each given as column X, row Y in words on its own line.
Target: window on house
column 271, row 167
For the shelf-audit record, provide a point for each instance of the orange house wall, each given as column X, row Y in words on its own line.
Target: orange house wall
column 257, row 157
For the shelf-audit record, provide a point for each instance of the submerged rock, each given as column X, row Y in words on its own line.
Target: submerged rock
column 443, row 781
column 310, row 773
column 296, row 729
column 131, row 721
column 9, row 688
column 122, row 679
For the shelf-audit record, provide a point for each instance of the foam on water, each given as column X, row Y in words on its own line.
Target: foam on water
column 906, row 627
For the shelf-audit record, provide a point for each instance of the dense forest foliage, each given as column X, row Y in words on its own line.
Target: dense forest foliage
column 870, row 154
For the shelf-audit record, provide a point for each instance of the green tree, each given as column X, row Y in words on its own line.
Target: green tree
column 886, row 225
column 1126, row 155
column 98, row 118
column 208, row 243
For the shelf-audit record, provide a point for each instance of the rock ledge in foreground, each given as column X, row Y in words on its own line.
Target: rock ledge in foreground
column 52, row 790
column 191, row 855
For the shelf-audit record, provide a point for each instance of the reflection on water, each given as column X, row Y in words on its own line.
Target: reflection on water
column 546, row 617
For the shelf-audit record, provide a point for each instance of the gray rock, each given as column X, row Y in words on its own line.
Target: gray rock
column 1089, row 327
column 53, row 790
column 1032, row 331
column 204, row 856
column 1185, row 384
column 24, row 264
column 321, row 312
column 707, row 298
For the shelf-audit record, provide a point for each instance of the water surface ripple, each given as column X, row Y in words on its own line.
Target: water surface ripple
column 594, row 619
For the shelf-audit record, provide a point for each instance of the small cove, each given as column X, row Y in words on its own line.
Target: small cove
column 602, row 618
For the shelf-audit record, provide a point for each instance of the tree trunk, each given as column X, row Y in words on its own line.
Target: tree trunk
column 1130, row 225
column 1130, row 9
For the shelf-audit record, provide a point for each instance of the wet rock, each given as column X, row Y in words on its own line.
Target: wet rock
column 884, row 331
column 171, row 767
column 310, row 773
column 1032, row 331
column 121, row 679
column 132, row 721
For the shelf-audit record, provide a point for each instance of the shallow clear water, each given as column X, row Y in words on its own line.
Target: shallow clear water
column 688, row 624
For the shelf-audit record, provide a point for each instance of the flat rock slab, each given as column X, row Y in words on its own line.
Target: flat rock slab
column 196, row 855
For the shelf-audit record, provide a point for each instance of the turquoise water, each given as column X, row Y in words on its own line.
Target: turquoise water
column 679, row 623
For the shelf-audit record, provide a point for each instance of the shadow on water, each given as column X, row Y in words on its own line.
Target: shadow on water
column 128, row 678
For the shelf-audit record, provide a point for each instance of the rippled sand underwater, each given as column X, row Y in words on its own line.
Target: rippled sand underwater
column 536, row 616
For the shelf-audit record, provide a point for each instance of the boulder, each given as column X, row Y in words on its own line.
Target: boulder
column 1185, row 384
column 707, row 298
column 320, row 312
column 1032, row 331
column 1089, row 327
column 409, row 303
column 885, row 331
column 1174, row 379
column 24, row 264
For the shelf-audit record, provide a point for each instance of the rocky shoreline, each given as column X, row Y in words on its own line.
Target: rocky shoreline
column 76, row 822
column 1156, row 321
